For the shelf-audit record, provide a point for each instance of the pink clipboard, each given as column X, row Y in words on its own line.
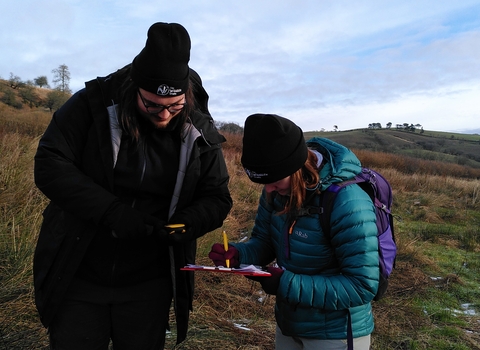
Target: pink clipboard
column 249, row 270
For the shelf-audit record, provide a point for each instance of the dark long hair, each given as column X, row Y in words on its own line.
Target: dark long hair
column 128, row 114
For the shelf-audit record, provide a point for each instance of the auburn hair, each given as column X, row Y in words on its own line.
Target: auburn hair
column 304, row 180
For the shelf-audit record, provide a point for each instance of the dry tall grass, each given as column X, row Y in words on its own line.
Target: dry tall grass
column 230, row 312
column 21, row 205
column 225, row 300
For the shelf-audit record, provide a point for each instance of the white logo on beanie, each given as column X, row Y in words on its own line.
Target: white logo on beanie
column 254, row 175
column 164, row 90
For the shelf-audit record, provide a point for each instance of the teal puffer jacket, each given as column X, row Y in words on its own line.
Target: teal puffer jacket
column 325, row 278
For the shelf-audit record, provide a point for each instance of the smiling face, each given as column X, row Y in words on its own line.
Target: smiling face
column 281, row 186
column 159, row 110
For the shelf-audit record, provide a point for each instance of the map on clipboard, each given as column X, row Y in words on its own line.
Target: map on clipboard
column 246, row 270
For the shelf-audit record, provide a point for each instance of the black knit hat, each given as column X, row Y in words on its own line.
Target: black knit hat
column 273, row 148
column 162, row 66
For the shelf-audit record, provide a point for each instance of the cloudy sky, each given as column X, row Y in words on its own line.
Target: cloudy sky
column 318, row 62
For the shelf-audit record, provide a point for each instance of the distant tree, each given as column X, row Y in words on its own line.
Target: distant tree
column 9, row 99
column 55, row 99
column 61, row 77
column 41, row 81
column 14, row 81
column 335, row 128
column 389, row 125
column 230, row 127
column 29, row 96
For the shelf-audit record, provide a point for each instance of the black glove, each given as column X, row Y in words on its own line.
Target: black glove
column 173, row 233
column 219, row 255
column 188, row 233
column 128, row 223
column 160, row 231
column 179, row 233
column 269, row 284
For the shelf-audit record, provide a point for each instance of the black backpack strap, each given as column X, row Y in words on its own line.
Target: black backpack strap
column 327, row 198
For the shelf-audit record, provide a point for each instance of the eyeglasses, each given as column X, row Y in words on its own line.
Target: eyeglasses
column 154, row 108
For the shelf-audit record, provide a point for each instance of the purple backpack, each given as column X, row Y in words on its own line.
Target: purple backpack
column 380, row 192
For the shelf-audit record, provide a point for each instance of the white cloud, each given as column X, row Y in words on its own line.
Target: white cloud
column 316, row 61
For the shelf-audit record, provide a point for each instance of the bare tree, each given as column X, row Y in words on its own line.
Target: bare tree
column 61, row 77
column 15, row 81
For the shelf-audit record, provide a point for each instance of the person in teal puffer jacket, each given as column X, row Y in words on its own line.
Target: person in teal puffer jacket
column 323, row 284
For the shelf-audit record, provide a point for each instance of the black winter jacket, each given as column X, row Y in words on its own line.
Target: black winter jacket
column 74, row 168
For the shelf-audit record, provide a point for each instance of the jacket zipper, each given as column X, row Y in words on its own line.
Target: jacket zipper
column 142, row 177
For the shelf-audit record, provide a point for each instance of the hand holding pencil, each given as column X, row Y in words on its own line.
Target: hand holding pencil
column 223, row 254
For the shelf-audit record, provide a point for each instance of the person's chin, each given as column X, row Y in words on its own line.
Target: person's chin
column 159, row 123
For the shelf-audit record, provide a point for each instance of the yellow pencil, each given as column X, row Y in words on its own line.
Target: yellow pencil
column 225, row 246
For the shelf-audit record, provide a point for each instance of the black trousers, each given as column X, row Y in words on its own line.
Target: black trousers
column 133, row 318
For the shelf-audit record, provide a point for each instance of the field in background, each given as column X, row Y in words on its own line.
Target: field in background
column 444, row 147
column 433, row 301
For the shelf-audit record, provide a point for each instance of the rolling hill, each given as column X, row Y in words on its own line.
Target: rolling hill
column 462, row 149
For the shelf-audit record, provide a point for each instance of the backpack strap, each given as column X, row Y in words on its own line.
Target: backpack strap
column 327, row 198
column 349, row 331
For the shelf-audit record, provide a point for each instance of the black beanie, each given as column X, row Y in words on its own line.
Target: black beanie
column 273, row 148
column 162, row 66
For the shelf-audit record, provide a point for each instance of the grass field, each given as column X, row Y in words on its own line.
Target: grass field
column 433, row 301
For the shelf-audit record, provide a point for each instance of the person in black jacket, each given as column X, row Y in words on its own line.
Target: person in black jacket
column 126, row 155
